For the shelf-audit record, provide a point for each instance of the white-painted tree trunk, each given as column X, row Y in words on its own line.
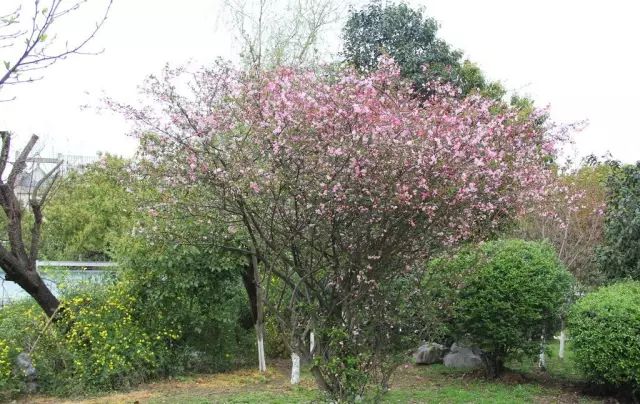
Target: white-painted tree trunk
column 295, row 368
column 312, row 343
column 563, row 338
column 542, row 360
column 262, row 363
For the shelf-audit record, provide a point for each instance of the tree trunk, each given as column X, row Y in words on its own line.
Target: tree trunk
column 493, row 365
column 18, row 260
column 31, row 282
column 251, row 281
column 542, row 361
column 262, row 362
column 563, row 338
column 295, row 368
column 312, row 344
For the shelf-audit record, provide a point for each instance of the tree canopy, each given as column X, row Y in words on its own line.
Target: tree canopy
column 90, row 210
column 410, row 38
column 619, row 255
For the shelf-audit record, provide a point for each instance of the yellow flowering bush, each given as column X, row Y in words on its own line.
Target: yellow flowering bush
column 99, row 343
column 108, row 347
column 7, row 382
column 5, row 363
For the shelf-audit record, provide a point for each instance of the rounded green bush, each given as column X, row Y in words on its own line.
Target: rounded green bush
column 515, row 293
column 605, row 332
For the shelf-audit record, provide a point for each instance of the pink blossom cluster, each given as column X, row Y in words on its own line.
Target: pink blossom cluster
column 341, row 160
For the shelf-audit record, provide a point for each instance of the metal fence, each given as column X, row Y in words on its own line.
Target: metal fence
column 57, row 274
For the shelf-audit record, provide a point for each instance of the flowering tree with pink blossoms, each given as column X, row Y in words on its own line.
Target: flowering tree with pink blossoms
column 343, row 184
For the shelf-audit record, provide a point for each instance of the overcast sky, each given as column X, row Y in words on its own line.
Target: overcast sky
column 579, row 57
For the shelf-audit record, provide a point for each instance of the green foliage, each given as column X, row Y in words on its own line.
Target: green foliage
column 404, row 34
column 435, row 301
column 90, row 209
column 411, row 40
column 605, row 333
column 178, row 303
column 619, row 256
column 348, row 366
column 514, row 293
column 183, row 279
column 193, row 290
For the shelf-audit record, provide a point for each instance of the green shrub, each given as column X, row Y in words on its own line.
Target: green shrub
column 514, row 294
column 605, row 332
column 196, row 290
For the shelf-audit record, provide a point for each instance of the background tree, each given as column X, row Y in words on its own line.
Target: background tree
column 619, row 256
column 410, row 38
column 26, row 48
column 281, row 33
column 573, row 220
column 91, row 208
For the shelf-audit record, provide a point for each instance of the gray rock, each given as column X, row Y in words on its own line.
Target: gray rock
column 429, row 353
column 462, row 357
column 26, row 368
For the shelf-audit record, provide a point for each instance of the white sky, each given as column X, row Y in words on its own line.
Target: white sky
column 580, row 57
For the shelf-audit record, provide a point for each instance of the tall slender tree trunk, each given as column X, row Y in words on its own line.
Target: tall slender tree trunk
column 262, row 362
column 251, row 281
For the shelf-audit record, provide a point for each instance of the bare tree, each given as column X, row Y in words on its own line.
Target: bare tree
column 275, row 33
column 28, row 45
column 18, row 256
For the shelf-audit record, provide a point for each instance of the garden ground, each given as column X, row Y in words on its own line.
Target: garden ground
column 411, row 384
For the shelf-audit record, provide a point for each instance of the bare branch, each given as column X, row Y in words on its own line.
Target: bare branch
column 4, row 154
column 43, row 180
column 36, row 54
column 21, row 163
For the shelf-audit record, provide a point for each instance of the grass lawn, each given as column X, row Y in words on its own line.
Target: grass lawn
column 411, row 384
